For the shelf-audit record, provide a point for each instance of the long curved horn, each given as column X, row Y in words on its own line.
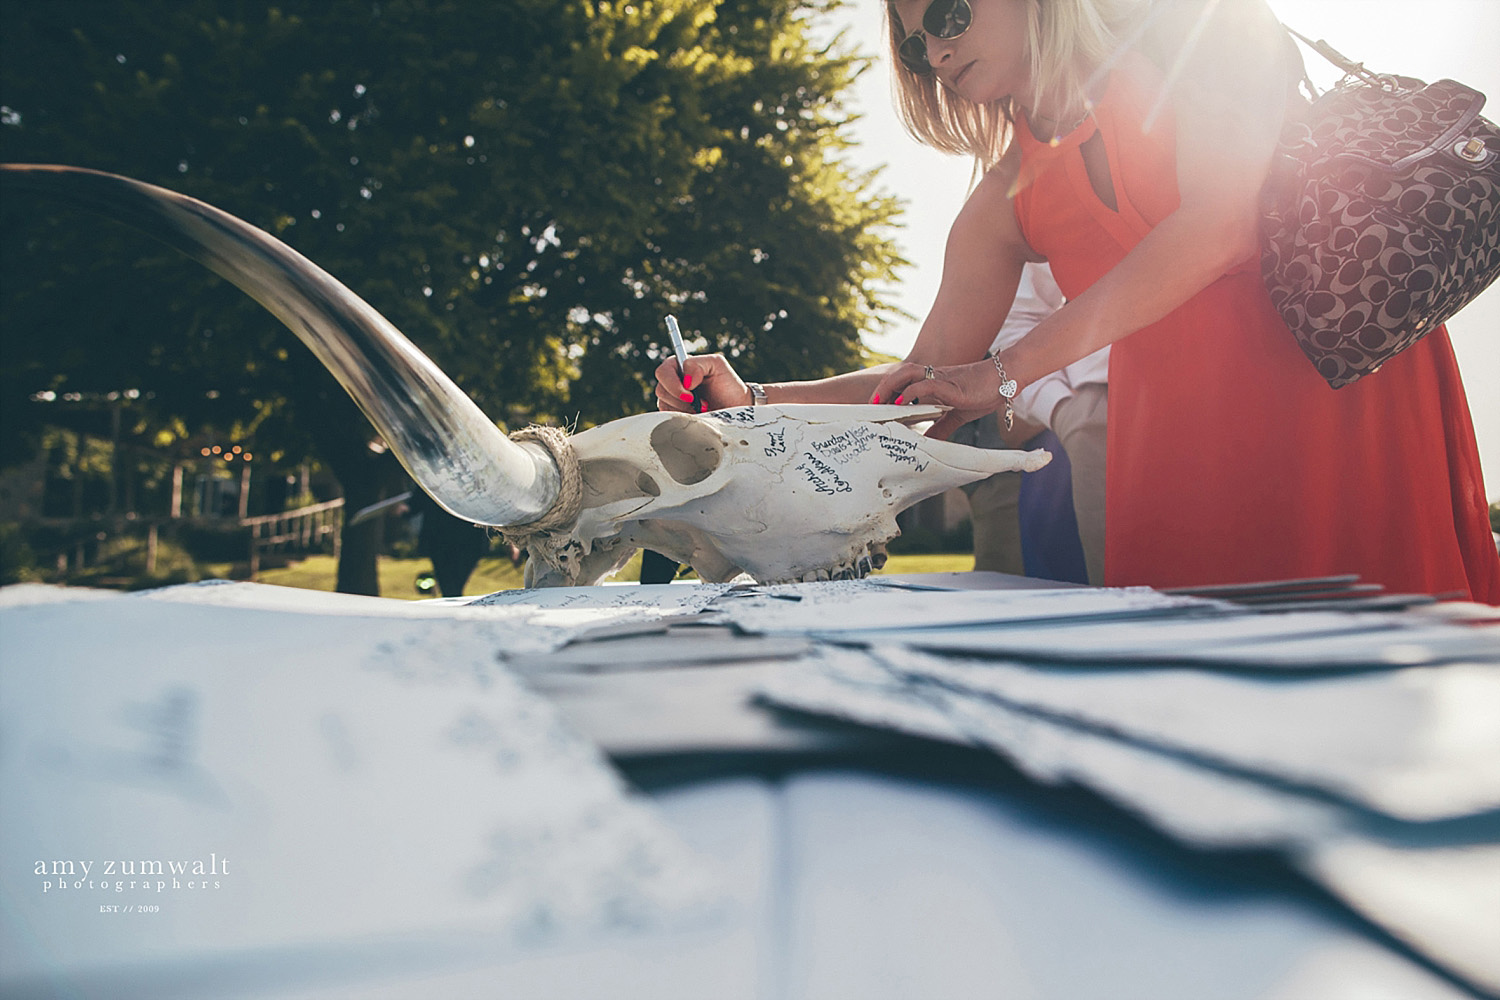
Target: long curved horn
column 444, row 440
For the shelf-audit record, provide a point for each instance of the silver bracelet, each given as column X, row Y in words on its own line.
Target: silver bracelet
column 1007, row 391
column 757, row 394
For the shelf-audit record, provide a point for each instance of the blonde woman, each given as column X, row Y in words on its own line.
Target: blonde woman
column 1126, row 142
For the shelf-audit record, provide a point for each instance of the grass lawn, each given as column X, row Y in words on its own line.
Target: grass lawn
column 398, row 576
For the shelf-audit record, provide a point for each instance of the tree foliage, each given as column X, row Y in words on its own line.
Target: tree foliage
column 526, row 189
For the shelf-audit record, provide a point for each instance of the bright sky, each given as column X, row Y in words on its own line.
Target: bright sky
column 1457, row 39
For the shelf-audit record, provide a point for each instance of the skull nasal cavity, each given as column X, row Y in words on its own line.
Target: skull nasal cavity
column 690, row 450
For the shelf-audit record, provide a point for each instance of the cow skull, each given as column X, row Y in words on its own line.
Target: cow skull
column 779, row 493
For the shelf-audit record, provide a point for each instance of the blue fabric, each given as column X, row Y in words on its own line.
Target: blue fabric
column 1050, row 548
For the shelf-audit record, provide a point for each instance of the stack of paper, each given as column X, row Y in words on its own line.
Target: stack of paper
column 200, row 789
column 1366, row 746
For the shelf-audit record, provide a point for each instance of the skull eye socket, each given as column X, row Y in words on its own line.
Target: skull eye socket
column 606, row 480
column 690, row 450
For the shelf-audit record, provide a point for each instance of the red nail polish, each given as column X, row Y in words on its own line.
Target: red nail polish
column 687, row 381
column 702, row 407
column 899, row 399
column 876, row 399
column 686, row 397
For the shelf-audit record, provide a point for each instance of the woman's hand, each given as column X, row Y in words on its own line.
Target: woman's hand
column 709, row 376
column 972, row 390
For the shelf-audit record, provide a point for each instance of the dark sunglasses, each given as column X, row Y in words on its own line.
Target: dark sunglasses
column 942, row 19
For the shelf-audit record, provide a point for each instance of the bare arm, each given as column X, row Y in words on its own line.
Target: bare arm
column 981, row 270
column 982, row 265
column 718, row 385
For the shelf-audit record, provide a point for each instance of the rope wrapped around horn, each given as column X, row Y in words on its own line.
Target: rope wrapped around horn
column 563, row 515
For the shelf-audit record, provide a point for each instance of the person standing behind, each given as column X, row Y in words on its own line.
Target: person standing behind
column 1072, row 403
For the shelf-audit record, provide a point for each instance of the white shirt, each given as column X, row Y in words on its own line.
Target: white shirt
column 1038, row 297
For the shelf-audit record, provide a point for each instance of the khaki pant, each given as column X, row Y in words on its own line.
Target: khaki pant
column 995, row 513
column 1079, row 422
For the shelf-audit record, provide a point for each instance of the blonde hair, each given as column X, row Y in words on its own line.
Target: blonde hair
column 1067, row 42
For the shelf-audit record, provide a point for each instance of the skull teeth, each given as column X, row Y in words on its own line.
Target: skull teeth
column 856, row 569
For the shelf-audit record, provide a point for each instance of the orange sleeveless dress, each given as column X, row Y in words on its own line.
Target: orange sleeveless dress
column 1229, row 459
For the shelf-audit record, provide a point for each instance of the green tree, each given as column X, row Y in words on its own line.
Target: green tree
column 526, row 189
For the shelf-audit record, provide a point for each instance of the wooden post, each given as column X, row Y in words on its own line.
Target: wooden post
column 128, row 472
column 244, row 490
column 176, row 509
column 151, row 543
column 114, row 457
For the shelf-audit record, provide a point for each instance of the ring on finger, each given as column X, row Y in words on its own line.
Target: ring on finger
column 927, row 372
